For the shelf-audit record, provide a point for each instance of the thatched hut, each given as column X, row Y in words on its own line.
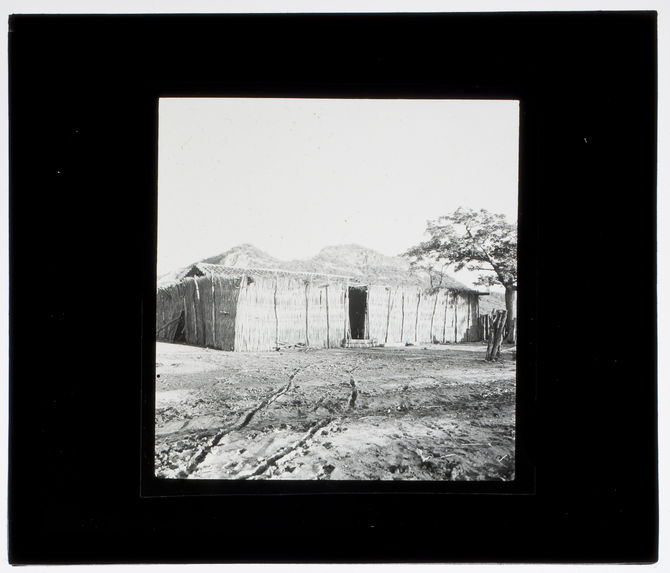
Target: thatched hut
column 263, row 309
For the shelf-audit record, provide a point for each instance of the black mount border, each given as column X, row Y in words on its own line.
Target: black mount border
column 83, row 94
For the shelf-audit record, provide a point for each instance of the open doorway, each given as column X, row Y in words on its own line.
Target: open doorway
column 358, row 306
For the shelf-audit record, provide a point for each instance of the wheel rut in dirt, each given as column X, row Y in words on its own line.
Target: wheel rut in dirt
column 204, row 451
column 309, row 436
column 272, row 460
column 409, row 414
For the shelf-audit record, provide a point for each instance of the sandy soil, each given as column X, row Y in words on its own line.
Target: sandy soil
column 409, row 413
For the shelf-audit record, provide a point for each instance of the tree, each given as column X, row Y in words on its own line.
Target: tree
column 477, row 241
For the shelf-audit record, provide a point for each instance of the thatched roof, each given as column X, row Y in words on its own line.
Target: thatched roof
column 357, row 264
column 205, row 269
column 208, row 269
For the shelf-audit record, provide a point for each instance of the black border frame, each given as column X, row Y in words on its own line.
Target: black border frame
column 83, row 91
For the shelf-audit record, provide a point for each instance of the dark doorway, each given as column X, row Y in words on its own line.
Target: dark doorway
column 358, row 306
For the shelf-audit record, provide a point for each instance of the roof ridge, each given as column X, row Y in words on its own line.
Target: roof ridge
column 453, row 285
column 245, row 269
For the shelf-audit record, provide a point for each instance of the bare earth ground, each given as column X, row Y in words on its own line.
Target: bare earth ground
column 408, row 413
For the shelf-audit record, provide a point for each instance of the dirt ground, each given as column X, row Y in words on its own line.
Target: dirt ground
column 410, row 413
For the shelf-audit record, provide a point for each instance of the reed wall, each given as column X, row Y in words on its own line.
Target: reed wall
column 438, row 327
column 255, row 327
column 225, row 293
column 169, row 306
column 284, row 310
column 378, row 297
column 193, row 316
column 410, row 297
column 338, row 313
column 418, row 317
column 395, row 317
column 291, row 310
column 472, row 331
column 317, row 315
column 262, row 312
column 209, row 305
column 347, row 325
column 426, row 307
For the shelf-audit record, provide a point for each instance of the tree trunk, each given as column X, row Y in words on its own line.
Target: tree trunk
column 496, row 335
column 510, row 305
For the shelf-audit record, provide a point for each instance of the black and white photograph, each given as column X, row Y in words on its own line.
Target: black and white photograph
column 336, row 289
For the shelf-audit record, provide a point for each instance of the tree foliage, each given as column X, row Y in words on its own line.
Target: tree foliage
column 474, row 240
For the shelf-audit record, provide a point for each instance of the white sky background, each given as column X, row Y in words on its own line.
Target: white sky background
column 292, row 176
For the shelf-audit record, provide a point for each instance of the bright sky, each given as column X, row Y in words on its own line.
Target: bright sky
column 292, row 176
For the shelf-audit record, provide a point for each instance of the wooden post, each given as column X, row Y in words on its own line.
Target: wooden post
column 307, row 314
column 276, row 316
column 243, row 280
column 367, row 313
column 496, row 335
column 388, row 315
column 402, row 317
column 196, row 309
column 213, row 312
column 161, row 305
column 455, row 317
column 201, row 307
column 183, row 298
column 416, row 320
column 444, row 324
column 345, row 304
column 327, row 321
column 432, row 317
